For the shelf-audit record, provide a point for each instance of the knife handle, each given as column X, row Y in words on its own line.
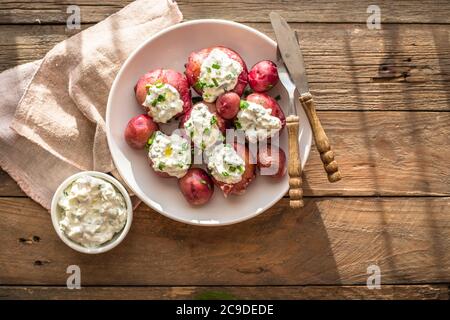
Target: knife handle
column 321, row 139
column 294, row 165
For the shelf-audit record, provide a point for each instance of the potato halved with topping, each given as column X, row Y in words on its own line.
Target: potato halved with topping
column 216, row 70
column 164, row 93
column 231, row 168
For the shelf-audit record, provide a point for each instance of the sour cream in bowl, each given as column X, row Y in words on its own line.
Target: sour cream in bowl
column 91, row 212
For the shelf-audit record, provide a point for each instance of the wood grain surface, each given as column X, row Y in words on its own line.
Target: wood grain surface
column 379, row 154
column 383, row 98
column 349, row 67
column 37, row 11
column 330, row 241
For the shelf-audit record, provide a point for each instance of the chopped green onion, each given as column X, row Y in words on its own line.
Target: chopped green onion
column 238, row 125
column 208, row 69
column 213, row 120
column 200, row 84
column 161, row 98
column 215, row 82
column 203, row 145
column 232, row 169
column 161, row 166
column 243, row 104
column 216, row 66
column 225, row 174
column 150, row 140
column 206, row 130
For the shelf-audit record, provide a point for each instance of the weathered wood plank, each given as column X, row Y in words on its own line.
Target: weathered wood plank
column 401, row 67
column 379, row 153
column 8, row 187
column 332, row 241
column 387, row 292
column 248, row 11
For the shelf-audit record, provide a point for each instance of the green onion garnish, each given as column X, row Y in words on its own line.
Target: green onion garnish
column 243, row 104
column 150, row 140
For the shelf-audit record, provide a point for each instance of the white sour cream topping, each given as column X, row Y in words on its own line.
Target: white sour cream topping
column 170, row 154
column 257, row 121
column 163, row 102
column 202, row 127
column 92, row 211
column 225, row 164
column 218, row 74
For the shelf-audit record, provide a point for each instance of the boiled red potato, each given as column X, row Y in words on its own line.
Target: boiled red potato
column 212, row 109
column 196, row 186
column 263, row 76
column 203, row 126
column 227, row 105
column 216, row 70
column 231, row 168
column 272, row 161
column 164, row 93
column 268, row 102
column 169, row 155
column 260, row 117
column 139, row 130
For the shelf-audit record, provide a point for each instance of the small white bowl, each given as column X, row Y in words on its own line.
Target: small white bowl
column 56, row 214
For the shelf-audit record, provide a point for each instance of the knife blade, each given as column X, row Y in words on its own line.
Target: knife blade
column 290, row 52
column 293, row 59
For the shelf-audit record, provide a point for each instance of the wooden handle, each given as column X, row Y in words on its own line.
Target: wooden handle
column 321, row 139
column 295, row 165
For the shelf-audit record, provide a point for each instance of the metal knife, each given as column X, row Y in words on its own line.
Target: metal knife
column 293, row 59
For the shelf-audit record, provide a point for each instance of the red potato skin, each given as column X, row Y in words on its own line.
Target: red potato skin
column 263, row 76
column 196, row 59
column 221, row 123
column 247, row 177
column 269, row 103
column 267, row 159
column 139, row 129
column 174, row 78
column 196, row 186
column 227, row 105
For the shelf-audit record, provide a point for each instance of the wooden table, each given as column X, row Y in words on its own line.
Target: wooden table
column 384, row 99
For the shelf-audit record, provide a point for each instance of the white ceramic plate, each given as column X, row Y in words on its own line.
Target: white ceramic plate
column 170, row 49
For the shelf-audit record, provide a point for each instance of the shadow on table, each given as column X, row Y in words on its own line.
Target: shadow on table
column 394, row 57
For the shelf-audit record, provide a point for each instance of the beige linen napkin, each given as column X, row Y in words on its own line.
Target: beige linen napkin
column 60, row 101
